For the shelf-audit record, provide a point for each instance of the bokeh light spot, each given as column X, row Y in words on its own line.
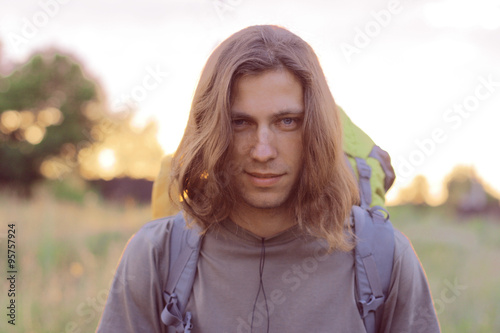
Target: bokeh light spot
column 11, row 120
column 34, row 134
column 49, row 116
column 76, row 269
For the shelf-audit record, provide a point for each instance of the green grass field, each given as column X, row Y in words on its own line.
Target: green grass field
column 461, row 259
column 66, row 254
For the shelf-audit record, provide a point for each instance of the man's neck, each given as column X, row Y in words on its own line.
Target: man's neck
column 264, row 223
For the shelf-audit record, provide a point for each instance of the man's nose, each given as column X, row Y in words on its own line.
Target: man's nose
column 263, row 149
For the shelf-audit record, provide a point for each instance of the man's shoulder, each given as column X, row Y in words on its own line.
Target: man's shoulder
column 402, row 245
column 160, row 233
column 406, row 260
column 154, row 234
column 158, row 225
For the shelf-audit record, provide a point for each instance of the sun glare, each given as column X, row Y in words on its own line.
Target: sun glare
column 107, row 159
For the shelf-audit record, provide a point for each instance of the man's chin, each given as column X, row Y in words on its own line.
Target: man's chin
column 266, row 203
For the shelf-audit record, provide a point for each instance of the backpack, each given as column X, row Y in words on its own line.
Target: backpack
column 374, row 251
column 371, row 165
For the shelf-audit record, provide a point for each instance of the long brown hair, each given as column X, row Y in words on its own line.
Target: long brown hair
column 201, row 170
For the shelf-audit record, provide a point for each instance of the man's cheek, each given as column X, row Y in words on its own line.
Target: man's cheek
column 233, row 168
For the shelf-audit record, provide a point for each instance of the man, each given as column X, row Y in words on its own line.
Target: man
column 261, row 172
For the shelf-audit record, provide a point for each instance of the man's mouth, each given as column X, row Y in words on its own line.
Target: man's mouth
column 264, row 179
column 264, row 175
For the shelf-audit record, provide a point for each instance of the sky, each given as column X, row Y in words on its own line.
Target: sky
column 422, row 78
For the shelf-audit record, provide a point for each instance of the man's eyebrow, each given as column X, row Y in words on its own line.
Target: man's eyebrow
column 241, row 114
column 289, row 111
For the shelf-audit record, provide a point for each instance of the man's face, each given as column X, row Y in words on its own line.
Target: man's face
column 267, row 115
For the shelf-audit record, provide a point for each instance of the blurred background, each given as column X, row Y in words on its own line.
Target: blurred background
column 93, row 94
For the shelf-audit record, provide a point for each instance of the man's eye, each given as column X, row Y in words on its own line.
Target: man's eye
column 289, row 122
column 239, row 122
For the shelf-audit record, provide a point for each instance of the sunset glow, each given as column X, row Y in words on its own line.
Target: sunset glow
column 412, row 65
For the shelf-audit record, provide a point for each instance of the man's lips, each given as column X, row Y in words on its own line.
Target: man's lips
column 264, row 175
column 264, row 179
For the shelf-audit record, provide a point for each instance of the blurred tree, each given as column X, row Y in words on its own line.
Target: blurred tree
column 458, row 184
column 121, row 150
column 468, row 194
column 1, row 57
column 42, row 114
column 417, row 193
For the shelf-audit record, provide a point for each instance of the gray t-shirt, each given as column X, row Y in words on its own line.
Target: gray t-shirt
column 245, row 283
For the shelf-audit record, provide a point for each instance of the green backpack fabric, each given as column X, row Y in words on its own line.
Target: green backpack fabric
column 371, row 165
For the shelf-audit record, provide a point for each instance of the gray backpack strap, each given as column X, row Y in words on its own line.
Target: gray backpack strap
column 385, row 162
column 365, row 189
column 374, row 254
column 183, row 254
